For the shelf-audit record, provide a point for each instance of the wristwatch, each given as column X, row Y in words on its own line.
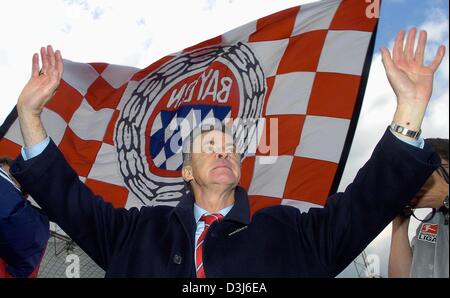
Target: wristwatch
column 446, row 201
column 405, row 131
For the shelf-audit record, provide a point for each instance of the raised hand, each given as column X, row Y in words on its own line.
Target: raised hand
column 43, row 83
column 410, row 78
column 36, row 93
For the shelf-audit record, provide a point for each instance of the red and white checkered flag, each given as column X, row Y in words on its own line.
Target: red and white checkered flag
column 305, row 67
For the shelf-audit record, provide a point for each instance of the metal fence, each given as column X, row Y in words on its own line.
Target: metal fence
column 60, row 256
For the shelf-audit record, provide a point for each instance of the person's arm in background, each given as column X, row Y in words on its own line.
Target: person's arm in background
column 400, row 257
column 24, row 231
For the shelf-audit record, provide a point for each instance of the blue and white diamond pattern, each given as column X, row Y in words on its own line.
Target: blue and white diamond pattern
column 170, row 128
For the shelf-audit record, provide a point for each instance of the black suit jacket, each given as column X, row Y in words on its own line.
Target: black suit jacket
column 276, row 242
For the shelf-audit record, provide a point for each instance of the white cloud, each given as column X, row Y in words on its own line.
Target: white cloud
column 436, row 24
column 210, row 4
column 134, row 33
column 3, row 57
column 376, row 113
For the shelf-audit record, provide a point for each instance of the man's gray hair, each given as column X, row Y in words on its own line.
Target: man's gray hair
column 188, row 143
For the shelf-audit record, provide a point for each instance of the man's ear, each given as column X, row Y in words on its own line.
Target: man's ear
column 187, row 174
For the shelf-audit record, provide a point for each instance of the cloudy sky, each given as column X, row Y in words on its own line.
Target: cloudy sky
column 136, row 33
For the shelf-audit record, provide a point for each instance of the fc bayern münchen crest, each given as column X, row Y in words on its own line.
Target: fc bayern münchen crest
column 215, row 83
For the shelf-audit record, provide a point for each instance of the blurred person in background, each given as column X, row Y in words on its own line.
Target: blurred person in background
column 427, row 256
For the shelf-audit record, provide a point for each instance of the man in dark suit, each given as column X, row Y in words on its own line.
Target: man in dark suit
column 210, row 232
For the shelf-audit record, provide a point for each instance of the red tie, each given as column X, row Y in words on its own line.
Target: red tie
column 208, row 219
